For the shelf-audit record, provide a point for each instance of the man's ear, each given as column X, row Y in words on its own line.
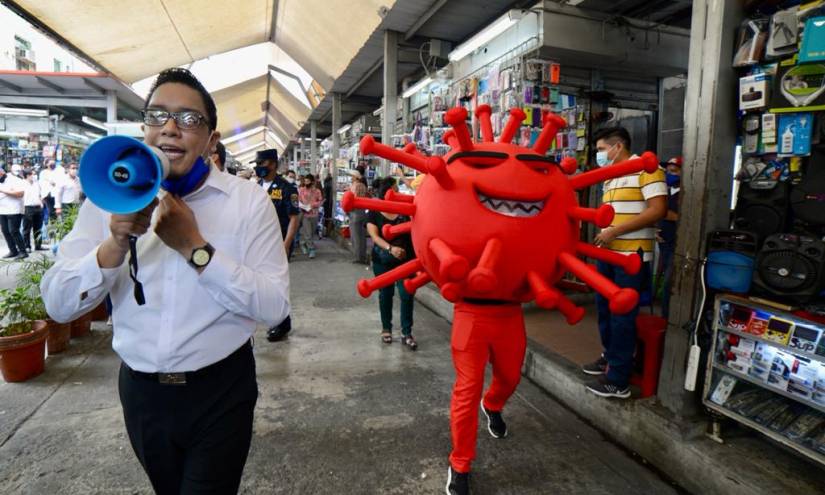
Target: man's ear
column 213, row 140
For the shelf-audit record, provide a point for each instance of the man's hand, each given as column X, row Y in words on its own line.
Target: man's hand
column 112, row 251
column 177, row 227
column 606, row 236
column 398, row 252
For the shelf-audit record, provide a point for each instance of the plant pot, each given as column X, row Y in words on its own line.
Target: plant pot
column 82, row 326
column 100, row 313
column 23, row 356
column 59, row 335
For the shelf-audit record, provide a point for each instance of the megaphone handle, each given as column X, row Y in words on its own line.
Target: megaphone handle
column 133, row 271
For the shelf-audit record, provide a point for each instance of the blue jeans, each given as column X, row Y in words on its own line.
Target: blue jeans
column 385, row 297
column 618, row 332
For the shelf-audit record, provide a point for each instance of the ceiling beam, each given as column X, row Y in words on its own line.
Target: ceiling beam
column 361, row 80
column 97, row 87
column 434, row 8
column 13, row 87
column 55, row 102
column 45, row 82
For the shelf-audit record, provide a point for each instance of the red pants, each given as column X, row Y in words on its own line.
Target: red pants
column 482, row 334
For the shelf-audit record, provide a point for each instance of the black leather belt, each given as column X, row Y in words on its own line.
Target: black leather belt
column 181, row 378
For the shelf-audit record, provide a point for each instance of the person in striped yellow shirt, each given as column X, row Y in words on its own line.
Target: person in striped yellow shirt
column 640, row 200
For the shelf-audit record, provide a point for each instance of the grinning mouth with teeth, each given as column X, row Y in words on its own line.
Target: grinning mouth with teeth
column 511, row 207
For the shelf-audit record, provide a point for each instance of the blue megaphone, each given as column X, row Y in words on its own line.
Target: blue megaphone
column 122, row 175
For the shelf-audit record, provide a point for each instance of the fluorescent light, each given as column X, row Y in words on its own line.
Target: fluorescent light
column 344, row 128
column 94, row 123
column 24, row 112
column 486, row 35
column 415, row 88
column 13, row 134
column 93, row 135
column 573, row 3
column 78, row 136
column 245, row 134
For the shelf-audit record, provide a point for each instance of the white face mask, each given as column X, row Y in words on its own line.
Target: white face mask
column 602, row 159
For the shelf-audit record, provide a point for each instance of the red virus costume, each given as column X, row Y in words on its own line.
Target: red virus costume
column 495, row 225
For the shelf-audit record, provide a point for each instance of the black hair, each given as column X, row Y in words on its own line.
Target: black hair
column 383, row 185
column 183, row 76
column 310, row 177
column 613, row 134
column 220, row 150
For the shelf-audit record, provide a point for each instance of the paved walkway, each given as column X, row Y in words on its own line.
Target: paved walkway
column 339, row 413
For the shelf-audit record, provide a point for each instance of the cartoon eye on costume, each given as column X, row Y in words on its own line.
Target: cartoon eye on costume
column 540, row 164
column 480, row 159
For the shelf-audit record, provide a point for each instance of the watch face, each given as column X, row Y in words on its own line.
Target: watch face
column 200, row 257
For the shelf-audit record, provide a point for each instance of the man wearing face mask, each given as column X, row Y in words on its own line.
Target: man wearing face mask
column 68, row 192
column 667, row 227
column 50, row 177
column 284, row 197
column 211, row 265
column 640, row 200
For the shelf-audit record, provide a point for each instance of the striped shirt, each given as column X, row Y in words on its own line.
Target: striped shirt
column 628, row 196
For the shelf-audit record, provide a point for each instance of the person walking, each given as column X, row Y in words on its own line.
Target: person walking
column 387, row 255
column 358, row 217
column 68, row 194
column 33, row 212
column 50, row 177
column 309, row 200
column 12, row 190
column 212, row 265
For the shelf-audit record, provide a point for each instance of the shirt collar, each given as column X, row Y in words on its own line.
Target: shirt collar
column 216, row 180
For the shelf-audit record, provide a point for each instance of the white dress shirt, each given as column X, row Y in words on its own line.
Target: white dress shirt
column 68, row 191
column 190, row 320
column 32, row 196
column 50, row 179
column 10, row 205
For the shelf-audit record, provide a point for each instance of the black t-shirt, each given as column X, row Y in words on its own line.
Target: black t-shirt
column 402, row 241
column 668, row 227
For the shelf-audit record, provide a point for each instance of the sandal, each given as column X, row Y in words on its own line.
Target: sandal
column 410, row 342
column 386, row 338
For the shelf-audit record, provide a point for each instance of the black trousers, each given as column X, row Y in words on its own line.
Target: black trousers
column 50, row 206
column 10, row 226
column 33, row 221
column 193, row 438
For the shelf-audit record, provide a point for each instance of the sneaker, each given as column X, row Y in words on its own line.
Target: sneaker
column 457, row 483
column 277, row 334
column 311, row 253
column 22, row 256
column 410, row 342
column 495, row 423
column 597, row 367
column 304, row 249
column 605, row 388
column 11, row 255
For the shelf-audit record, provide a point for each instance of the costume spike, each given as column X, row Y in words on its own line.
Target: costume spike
column 451, row 266
column 630, row 263
column 602, row 216
column 392, row 195
column 483, row 113
column 621, row 300
column 569, row 165
column 546, row 297
column 517, row 116
column 573, row 313
column 413, row 284
column 457, row 119
column 552, row 124
column 437, row 167
column 370, row 147
column 390, row 232
column 367, row 287
column 647, row 162
column 450, row 139
column 412, row 149
column 483, row 278
column 451, row 291
column 350, row 202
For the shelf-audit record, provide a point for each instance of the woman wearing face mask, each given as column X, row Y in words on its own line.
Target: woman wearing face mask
column 310, row 200
column 667, row 228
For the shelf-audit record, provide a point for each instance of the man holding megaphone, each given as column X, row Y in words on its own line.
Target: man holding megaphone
column 212, row 264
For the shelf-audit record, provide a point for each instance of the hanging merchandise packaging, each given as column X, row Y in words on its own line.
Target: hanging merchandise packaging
column 769, row 133
column 795, row 134
column 751, row 134
column 798, row 87
column 753, row 92
column 783, row 36
column 813, row 41
column 751, row 42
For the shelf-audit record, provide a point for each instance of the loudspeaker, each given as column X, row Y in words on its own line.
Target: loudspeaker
column 730, row 260
column 790, row 266
column 762, row 211
column 808, row 197
column 122, row 175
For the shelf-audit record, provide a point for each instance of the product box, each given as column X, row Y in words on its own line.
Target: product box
column 798, row 88
column 769, row 133
column 781, row 368
column 723, row 389
column 761, row 373
column 758, row 324
column 741, row 365
column 805, row 339
column 802, row 378
column 763, row 355
column 794, row 133
column 753, row 92
column 779, row 330
column 813, row 41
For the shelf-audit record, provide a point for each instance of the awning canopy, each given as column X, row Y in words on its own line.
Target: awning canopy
column 64, row 89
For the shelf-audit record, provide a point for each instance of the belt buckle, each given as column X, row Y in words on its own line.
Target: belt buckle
column 172, row 378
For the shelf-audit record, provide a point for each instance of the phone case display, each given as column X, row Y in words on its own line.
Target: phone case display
column 767, row 370
column 813, row 41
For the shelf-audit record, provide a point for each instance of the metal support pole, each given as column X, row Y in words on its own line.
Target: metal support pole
column 707, row 175
column 390, row 93
column 303, row 148
column 313, row 147
column 336, row 144
column 295, row 157
column 111, row 109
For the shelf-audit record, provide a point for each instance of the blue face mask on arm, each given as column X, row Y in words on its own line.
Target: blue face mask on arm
column 186, row 184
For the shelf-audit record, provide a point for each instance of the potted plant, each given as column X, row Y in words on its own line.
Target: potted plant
column 29, row 274
column 22, row 340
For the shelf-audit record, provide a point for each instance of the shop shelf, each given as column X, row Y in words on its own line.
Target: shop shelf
column 778, row 437
column 771, row 343
column 759, row 383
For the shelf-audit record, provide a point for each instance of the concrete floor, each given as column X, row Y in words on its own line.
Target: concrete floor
column 339, row 413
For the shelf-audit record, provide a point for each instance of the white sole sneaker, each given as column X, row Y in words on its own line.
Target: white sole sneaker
column 489, row 429
column 624, row 394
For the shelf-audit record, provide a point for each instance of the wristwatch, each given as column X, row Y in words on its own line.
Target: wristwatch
column 202, row 256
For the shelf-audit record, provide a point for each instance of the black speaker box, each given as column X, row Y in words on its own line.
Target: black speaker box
column 790, row 267
column 808, row 197
column 762, row 211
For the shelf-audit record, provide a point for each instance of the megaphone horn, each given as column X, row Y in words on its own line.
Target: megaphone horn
column 122, row 175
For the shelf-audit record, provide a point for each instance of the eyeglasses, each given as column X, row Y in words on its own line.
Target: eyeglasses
column 187, row 119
